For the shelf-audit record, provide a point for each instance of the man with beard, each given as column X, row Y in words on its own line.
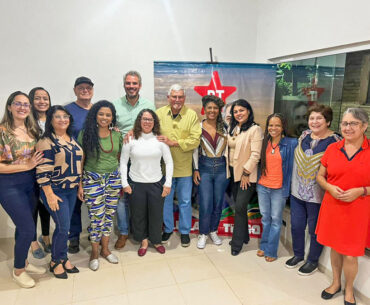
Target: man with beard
column 127, row 109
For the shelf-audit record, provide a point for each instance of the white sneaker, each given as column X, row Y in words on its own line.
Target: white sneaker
column 216, row 240
column 24, row 280
column 35, row 269
column 202, row 239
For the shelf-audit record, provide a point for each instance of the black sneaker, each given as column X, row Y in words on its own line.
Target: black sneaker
column 308, row 268
column 294, row 262
column 185, row 240
column 165, row 237
column 74, row 246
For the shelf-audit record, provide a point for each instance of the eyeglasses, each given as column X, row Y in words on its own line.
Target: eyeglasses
column 147, row 120
column 20, row 105
column 350, row 124
column 61, row 117
column 88, row 88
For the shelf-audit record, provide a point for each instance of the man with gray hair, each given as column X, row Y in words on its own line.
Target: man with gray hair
column 127, row 109
column 180, row 130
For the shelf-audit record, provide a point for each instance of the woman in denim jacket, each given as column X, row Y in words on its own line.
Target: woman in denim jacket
column 273, row 186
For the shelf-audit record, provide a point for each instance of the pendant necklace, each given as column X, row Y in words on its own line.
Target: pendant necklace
column 273, row 148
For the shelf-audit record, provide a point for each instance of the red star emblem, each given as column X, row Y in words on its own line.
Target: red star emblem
column 313, row 93
column 215, row 88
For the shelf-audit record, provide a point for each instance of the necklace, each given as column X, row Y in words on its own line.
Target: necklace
column 23, row 129
column 273, row 148
column 111, row 142
column 236, row 132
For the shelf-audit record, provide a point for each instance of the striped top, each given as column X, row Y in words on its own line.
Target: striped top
column 210, row 147
column 62, row 166
column 307, row 156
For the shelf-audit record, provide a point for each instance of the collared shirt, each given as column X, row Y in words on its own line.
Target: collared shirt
column 126, row 113
column 186, row 130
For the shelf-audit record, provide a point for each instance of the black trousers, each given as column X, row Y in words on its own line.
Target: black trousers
column 241, row 198
column 146, row 207
column 44, row 216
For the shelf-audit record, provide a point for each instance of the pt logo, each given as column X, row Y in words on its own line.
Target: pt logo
column 215, row 88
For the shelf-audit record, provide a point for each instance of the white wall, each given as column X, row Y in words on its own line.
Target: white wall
column 288, row 27
column 50, row 43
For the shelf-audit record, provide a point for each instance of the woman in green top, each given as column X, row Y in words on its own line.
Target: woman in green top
column 101, row 181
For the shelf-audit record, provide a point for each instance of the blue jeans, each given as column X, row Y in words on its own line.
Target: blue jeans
column 301, row 214
column 62, row 219
column 17, row 196
column 271, row 203
column 182, row 186
column 123, row 213
column 76, row 224
column 213, row 183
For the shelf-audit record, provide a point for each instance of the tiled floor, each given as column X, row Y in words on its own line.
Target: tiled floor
column 181, row 276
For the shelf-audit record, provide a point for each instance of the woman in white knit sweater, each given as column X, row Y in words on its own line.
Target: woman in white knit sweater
column 145, row 184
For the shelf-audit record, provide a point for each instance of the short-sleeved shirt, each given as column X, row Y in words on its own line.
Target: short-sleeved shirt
column 127, row 114
column 108, row 156
column 13, row 151
column 79, row 115
column 345, row 226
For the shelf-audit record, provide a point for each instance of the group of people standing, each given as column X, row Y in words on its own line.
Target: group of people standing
column 52, row 155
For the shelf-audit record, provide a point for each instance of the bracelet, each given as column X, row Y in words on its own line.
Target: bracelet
column 365, row 192
column 245, row 174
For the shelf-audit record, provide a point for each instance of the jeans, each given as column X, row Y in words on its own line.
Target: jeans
column 62, row 219
column 271, row 203
column 41, row 210
column 76, row 224
column 301, row 213
column 123, row 214
column 212, row 186
column 17, row 196
column 183, row 187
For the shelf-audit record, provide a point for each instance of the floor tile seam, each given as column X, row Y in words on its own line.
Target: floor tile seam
column 151, row 288
column 89, row 299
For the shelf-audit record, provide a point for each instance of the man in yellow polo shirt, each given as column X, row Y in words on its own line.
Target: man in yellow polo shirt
column 180, row 130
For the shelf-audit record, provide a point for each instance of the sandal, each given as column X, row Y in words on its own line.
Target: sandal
column 60, row 275
column 72, row 270
column 270, row 259
column 260, row 253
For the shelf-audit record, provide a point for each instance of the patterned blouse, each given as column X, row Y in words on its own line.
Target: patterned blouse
column 13, row 151
column 209, row 147
column 62, row 163
column 307, row 156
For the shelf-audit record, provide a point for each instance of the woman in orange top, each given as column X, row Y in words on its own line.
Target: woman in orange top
column 273, row 187
column 344, row 175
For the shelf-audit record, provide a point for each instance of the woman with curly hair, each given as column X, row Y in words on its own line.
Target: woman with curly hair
column 210, row 170
column 145, row 185
column 101, row 182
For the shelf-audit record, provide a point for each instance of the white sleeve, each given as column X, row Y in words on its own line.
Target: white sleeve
column 166, row 154
column 125, row 156
column 195, row 158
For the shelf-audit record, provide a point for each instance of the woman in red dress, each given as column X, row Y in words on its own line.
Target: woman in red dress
column 344, row 175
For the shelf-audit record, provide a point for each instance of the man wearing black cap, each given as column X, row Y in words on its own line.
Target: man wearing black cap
column 84, row 91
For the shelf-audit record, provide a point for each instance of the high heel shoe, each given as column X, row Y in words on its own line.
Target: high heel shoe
column 71, row 270
column 60, row 275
